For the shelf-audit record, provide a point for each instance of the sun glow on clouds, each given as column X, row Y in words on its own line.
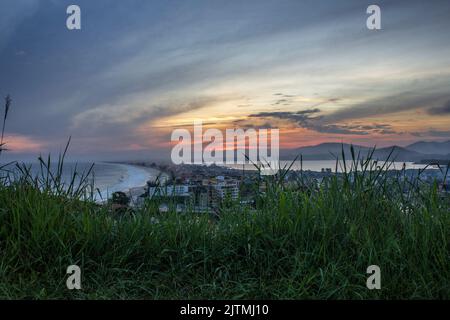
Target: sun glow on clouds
column 314, row 72
column 15, row 143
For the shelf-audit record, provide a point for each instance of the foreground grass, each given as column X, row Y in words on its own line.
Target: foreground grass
column 299, row 243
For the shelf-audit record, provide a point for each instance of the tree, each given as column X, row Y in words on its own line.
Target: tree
column 120, row 198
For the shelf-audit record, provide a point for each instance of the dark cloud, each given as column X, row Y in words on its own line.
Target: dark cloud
column 281, row 101
column 303, row 118
column 424, row 97
column 310, row 120
column 440, row 110
column 330, row 100
column 433, row 133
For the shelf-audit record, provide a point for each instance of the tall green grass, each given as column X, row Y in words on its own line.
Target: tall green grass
column 305, row 240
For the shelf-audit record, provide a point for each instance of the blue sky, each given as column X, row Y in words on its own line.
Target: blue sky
column 138, row 69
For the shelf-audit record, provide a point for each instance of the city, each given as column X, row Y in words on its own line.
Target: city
column 205, row 188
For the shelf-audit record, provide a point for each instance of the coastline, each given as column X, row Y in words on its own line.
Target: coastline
column 135, row 181
column 138, row 174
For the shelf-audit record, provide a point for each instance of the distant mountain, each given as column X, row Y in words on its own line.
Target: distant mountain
column 323, row 151
column 329, row 147
column 329, row 151
column 432, row 147
column 398, row 154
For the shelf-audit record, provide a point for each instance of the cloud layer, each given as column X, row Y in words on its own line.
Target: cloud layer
column 139, row 67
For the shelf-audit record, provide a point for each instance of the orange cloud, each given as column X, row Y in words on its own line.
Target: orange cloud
column 16, row 143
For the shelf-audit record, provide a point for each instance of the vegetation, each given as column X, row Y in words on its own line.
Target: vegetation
column 300, row 242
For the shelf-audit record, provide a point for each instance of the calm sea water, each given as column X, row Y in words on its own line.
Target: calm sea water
column 107, row 177
column 318, row 165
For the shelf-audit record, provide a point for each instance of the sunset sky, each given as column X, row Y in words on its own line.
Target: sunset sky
column 139, row 69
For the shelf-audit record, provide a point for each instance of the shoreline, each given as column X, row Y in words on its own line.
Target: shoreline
column 135, row 181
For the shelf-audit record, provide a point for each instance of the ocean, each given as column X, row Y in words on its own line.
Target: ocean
column 112, row 177
column 318, row 165
column 108, row 177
